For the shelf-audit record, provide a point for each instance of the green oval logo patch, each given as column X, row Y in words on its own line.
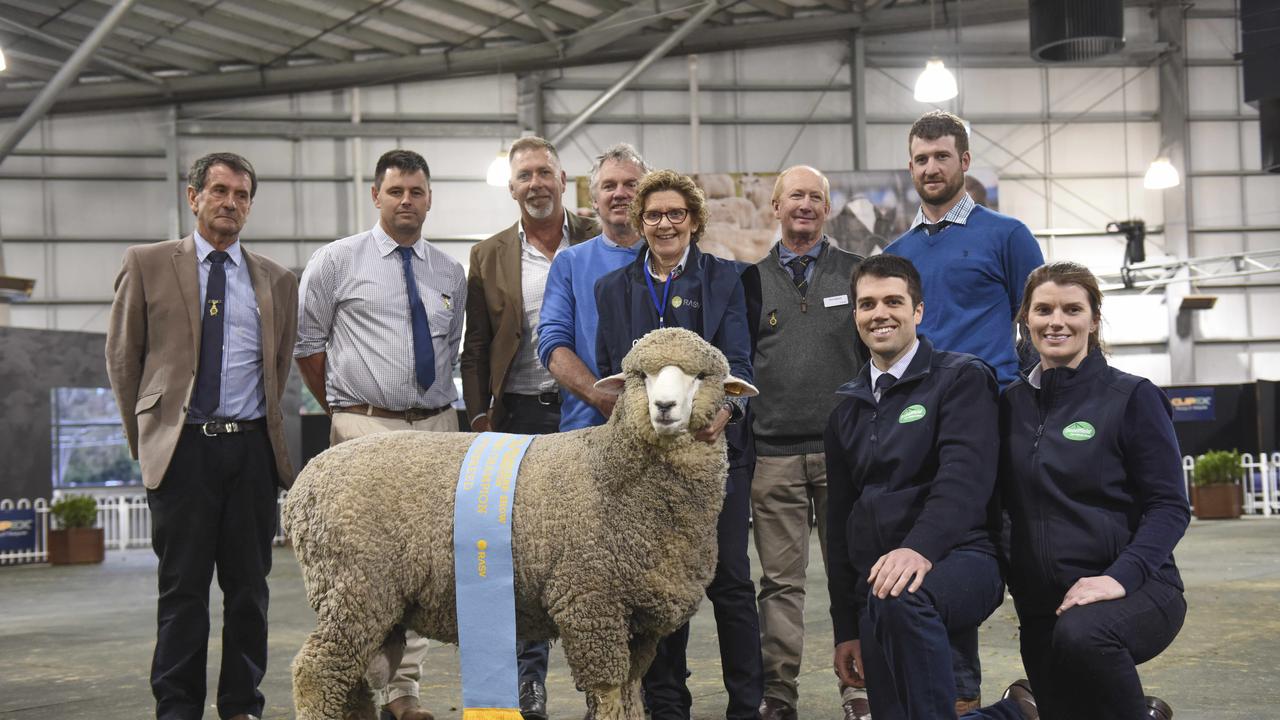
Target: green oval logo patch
column 911, row 413
column 1078, row 431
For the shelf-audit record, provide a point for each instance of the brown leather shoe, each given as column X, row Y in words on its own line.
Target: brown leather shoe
column 857, row 709
column 775, row 709
column 1158, row 709
column 406, row 707
column 965, row 705
column 1020, row 693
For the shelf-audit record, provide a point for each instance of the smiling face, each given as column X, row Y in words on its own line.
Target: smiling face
column 222, row 205
column 937, row 169
column 537, row 183
column 666, row 239
column 801, row 207
column 885, row 318
column 615, row 187
column 1060, row 320
column 403, row 200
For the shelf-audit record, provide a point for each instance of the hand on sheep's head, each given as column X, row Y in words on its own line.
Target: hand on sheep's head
column 684, row 377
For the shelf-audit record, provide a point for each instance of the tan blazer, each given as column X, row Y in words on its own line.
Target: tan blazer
column 495, row 315
column 153, row 347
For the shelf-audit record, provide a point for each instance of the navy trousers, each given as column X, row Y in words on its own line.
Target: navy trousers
column 215, row 509
column 733, row 597
column 906, row 646
column 526, row 415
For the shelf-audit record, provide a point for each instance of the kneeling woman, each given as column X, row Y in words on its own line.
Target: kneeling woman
column 1092, row 479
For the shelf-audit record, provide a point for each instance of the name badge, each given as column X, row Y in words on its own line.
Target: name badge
column 835, row 301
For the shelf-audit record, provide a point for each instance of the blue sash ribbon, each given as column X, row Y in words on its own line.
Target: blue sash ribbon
column 484, row 576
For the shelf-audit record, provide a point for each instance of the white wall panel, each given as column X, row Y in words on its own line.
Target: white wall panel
column 1008, row 148
column 1025, row 200
column 1211, row 38
column 1228, row 319
column 1215, row 201
column 1102, row 254
column 1134, row 318
column 1251, row 144
column 1000, row 90
column 889, row 92
column 269, row 156
column 1215, row 145
column 1215, row 89
column 1153, row 366
column 21, row 203
column 1266, row 360
column 82, row 208
column 85, row 271
column 887, row 147
column 1222, row 363
column 1087, row 90
column 123, row 130
column 1264, row 320
column 30, row 260
column 1262, row 200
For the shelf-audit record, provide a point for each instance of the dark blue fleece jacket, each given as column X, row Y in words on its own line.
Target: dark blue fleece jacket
column 915, row 470
column 1091, row 475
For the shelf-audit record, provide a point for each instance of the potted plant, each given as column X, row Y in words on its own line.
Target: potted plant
column 1215, row 489
column 75, row 540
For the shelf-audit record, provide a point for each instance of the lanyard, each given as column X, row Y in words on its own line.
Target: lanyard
column 660, row 306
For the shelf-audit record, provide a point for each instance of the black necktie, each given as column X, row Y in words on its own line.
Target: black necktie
column 935, row 228
column 883, row 383
column 424, row 354
column 205, row 399
column 797, row 266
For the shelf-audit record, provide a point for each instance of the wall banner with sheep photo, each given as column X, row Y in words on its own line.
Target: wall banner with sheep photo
column 868, row 209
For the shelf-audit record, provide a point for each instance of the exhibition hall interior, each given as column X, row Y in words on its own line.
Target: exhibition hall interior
column 1133, row 145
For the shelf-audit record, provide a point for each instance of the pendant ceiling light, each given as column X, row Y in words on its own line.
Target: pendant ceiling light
column 1161, row 175
column 936, row 84
column 499, row 171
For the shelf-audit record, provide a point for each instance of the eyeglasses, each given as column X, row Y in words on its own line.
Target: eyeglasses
column 653, row 217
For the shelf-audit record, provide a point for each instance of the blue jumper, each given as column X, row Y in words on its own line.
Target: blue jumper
column 973, row 276
column 569, row 314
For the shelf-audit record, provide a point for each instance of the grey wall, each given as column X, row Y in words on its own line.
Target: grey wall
column 32, row 362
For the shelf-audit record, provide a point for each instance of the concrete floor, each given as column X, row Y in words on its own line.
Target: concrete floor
column 75, row 642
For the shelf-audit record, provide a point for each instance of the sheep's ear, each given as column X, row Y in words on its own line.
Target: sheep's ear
column 613, row 384
column 733, row 387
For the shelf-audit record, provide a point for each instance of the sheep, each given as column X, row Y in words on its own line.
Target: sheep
column 613, row 535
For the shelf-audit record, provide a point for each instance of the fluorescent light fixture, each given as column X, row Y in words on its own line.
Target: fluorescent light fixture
column 1162, row 174
column 499, row 171
column 936, row 84
column 3, row 64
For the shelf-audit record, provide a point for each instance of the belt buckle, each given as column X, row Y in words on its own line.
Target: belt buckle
column 219, row 427
column 548, row 398
column 204, row 428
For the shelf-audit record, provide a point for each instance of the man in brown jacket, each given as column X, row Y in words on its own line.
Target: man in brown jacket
column 198, row 350
column 505, row 387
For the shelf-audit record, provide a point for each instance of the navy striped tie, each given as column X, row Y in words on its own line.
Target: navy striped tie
column 424, row 355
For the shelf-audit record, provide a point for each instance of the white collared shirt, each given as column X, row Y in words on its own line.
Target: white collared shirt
column 527, row 376
column 896, row 370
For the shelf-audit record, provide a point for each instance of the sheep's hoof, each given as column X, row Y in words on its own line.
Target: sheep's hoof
column 607, row 705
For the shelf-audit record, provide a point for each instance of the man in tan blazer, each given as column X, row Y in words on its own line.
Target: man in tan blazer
column 504, row 385
column 198, row 350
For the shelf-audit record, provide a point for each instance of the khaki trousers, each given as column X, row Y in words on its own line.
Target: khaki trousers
column 785, row 491
column 348, row 426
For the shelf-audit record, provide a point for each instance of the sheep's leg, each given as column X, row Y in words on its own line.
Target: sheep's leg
column 643, row 650
column 596, row 645
column 329, row 670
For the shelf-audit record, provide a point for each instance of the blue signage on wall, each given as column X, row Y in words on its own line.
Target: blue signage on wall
column 1191, row 404
column 17, row 529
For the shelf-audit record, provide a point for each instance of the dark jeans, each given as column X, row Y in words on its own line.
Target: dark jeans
column 1083, row 664
column 214, row 509
column 966, row 664
column 528, row 416
column 906, row 646
column 733, row 598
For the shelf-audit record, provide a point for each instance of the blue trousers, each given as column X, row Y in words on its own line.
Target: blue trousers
column 906, row 646
column 733, row 597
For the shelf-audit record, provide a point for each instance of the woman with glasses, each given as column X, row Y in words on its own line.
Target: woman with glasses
column 672, row 284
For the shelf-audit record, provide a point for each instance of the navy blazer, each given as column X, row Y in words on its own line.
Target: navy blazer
column 712, row 304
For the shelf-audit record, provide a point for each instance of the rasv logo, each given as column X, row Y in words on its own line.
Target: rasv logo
column 1078, row 431
column 911, row 413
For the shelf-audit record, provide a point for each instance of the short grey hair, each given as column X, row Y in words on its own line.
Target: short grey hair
column 198, row 175
column 623, row 153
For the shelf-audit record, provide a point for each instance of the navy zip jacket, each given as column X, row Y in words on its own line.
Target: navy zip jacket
column 706, row 298
column 1091, row 475
column 916, row 470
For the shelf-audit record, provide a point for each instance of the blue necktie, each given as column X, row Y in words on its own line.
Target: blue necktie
column 883, row 383
column 208, row 392
column 424, row 355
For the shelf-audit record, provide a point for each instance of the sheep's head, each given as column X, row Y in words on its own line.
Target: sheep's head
column 683, row 377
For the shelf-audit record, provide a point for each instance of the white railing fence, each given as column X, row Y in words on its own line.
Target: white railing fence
column 1259, row 478
column 125, row 521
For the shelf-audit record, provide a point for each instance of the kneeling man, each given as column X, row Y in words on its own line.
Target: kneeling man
column 911, row 463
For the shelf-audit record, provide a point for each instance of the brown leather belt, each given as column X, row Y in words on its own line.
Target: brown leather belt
column 410, row 415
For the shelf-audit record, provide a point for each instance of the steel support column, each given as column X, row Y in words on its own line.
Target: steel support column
column 64, row 77
column 858, row 98
column 674, row 39
column 1177, row 210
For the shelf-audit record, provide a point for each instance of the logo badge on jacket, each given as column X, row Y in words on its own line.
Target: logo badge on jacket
column 1078, row 431
column 911, row 413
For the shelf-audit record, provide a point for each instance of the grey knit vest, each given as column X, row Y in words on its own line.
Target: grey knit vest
column 806, row 348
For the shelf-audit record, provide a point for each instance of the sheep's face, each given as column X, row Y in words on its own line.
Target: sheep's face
column 684, row 380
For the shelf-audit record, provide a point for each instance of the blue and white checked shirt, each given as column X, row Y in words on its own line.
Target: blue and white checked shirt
column 352, row 305
column 958, row 215
column 242, row 397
